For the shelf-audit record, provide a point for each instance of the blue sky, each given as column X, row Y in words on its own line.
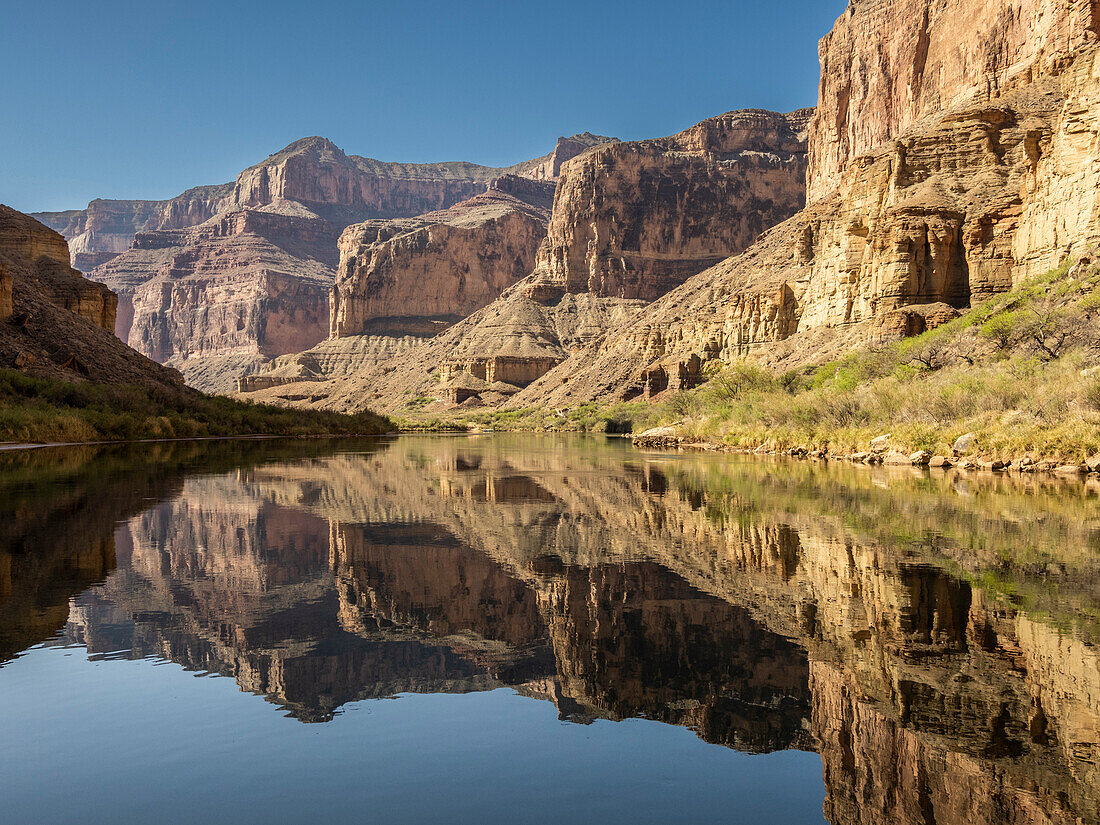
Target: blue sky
column 143, row 100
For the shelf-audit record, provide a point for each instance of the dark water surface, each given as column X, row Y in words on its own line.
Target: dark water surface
column 525, row 630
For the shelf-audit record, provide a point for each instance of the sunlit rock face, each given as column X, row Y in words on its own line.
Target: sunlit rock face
column 235, row 290
column 630, row 221
column 888, row 65
column 634, row 220
column 411, row 276
column 42, row 257
column 223, row 279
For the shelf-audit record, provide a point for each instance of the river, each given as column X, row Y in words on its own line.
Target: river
column 527, row 629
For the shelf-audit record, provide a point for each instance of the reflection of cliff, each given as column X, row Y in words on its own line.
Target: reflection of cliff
column 314, row 614
column 937, row 645
column 61, row 508
column 651, row 645
column 875, row 574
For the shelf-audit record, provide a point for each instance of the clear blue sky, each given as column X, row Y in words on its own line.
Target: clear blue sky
column 145, row 99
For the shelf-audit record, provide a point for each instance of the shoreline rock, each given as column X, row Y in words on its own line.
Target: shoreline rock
column 666, row 438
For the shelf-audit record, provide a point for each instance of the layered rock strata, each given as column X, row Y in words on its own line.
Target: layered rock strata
column 313, row 172
column 634, row 220
column 888, row 64
column 240, row 288
column 106, row 228
column 403, row 280
column 630, row 221
column 222, row 279
column 397, row 277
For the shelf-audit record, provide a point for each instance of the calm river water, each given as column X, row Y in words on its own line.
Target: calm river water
column 523, row 629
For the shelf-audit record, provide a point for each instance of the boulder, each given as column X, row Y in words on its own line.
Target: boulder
column 964, row 444
column 939, row 461
column 920, row 458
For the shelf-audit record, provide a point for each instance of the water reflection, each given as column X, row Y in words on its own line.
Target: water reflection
column 933, row 638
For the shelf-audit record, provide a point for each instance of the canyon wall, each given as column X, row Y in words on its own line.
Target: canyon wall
column 222, row 279
column 888, row 64
column 634, row 220
column 958, row 205
column 235, row 290
column 106, row 228
column 312, row 172
column 418, row 275
column 629, row 222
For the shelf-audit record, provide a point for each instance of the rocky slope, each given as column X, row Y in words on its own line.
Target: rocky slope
column 955, row 206
column 55, row 323
column 630, row 221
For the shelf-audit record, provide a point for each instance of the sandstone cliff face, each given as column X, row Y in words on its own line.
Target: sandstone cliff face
column 34, row 260
column 399, row 277
column 633, row 220
column 223, row 278
column 630, row 221
column 244, row 286
column 548, row 168
column 316, row 173
column 888, row 64
column 106, row 228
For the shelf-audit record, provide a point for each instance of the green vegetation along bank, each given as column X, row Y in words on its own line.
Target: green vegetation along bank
column 47, row 410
